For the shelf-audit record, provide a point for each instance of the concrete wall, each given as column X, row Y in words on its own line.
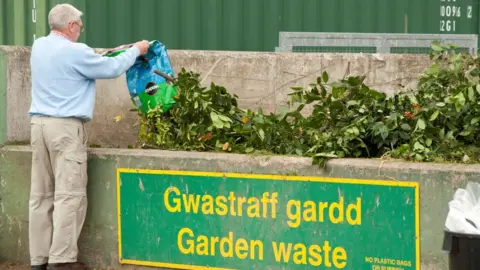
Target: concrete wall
column 98, row 242
column 259, row 79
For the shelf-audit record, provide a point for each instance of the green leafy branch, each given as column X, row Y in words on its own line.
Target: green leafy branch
column 438, row 121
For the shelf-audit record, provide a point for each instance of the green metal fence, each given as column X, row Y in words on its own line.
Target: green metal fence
column 371, row 42
column 333, row 49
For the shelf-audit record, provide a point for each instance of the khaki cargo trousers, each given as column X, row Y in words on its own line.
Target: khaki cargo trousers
column 58, row 198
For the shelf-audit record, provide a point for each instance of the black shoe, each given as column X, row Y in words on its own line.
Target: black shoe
column 39, row 267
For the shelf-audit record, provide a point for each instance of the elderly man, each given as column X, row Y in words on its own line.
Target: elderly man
column 63, row 95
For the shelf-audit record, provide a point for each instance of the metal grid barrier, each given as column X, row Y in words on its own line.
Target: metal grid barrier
column 370, row 42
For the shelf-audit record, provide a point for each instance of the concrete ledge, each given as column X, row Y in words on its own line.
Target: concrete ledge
column 259, row 79
column 99, row 239
column 3, row 97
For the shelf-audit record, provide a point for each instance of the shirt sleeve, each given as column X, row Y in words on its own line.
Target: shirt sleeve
column 95, row 66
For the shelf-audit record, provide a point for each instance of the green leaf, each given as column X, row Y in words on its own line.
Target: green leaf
column 471, row 94
column 213, row 116
column 328, row 155
column 261, row 133
column 325, row 76
column 478, row 88
column 355, row 131
column 475, row 72
column 300, row 108
column 354, row 80
column 216, row 120
column 195, row 105
column 458, row 107
column 434, row 115
column 434, row 69
column 338, row 92
column 440, row 104
column 311, row 97
column 475, row 120
column 298, row 152
column 218, row 124
column 418, row 146
column 413, row 99
column 406, row 127
column 335, row 108
column 420, row 124
column 324, row 91
column 404, row 135
column 249, row 150
column 428, row 142
column 460, row 99
column 418, row 157
column 436, row 48
column 259, row 119
column 283, row 112
column 384, row 134
column 352, row 102
column 159, row 139
column 225, row 118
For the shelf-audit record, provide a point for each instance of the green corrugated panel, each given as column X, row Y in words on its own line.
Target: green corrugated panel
column 3, row 17
column 251, row 25
column 14, row 29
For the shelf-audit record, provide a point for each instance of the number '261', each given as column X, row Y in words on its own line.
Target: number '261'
column 447, row 26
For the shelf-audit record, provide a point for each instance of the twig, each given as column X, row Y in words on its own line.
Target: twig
column 211, row 69
column 347, row 71
column 166, row 76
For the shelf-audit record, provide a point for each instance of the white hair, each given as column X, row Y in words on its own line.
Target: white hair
column 61, row 14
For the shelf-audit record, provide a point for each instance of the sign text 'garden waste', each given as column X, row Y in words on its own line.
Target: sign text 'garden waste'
column 190, row 220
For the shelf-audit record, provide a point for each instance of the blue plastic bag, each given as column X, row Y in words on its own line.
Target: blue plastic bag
column 141, row 73
column 149, row 89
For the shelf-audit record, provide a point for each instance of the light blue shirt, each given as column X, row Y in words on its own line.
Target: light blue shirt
column 64, row 74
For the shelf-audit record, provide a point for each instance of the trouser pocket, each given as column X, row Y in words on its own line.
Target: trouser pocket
column 74, row 174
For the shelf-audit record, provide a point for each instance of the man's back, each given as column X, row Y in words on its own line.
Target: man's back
column 64, row 73
column 58, row 89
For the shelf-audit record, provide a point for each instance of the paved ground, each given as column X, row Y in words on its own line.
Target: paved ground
column 11, row 266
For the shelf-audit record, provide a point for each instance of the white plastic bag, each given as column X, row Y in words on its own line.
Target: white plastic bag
column 464, row 210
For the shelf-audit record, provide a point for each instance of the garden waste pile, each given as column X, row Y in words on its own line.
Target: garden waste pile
column 438, row 121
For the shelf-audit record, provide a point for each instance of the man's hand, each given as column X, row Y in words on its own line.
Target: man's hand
column 142, row 46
